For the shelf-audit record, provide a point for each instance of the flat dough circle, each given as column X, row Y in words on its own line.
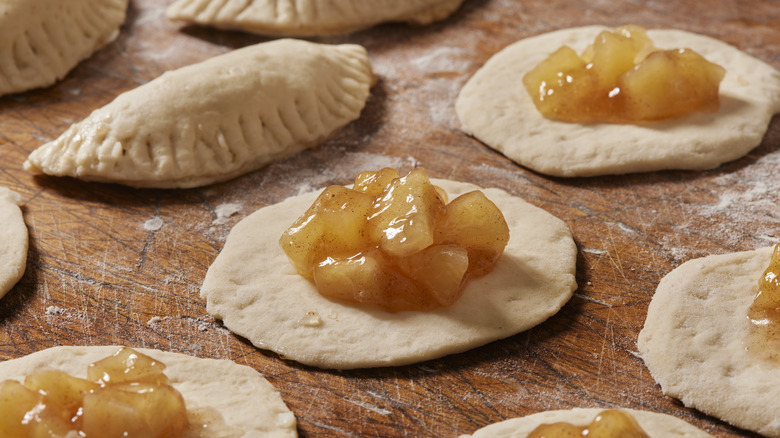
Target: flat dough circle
column 495, row 107
column 694, row 339
column 13, row 241
column 255, row 290
column 240, row 394
column 655, row 424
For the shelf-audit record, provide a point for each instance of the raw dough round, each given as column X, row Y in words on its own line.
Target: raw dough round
column 495, row 107
column 255, row 290
column 13, row 240
column 656, row 425
column 240, row 394
column 694, row 339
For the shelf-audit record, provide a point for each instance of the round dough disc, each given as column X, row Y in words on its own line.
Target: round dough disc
column 694, row 339
column 255, row 290
column 495, row 107
column 655, row 424
column 13, row 241
column 238, row 393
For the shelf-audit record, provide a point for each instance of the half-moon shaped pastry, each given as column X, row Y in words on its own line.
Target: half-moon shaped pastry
column 308, row 17
column 13, row 241
column 215, row 120
column 42, row 40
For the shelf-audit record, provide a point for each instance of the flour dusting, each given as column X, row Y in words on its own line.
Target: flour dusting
column 153, row 224
column 225, row 211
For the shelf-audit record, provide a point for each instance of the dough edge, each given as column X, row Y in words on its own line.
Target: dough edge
column 13, row 249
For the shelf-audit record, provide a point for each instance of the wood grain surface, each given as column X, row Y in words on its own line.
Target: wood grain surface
column 113, row 265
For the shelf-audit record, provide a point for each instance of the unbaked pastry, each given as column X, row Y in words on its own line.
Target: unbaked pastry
column 694, row 338
column 495, row 108
column 242, row 397
column 656, row 425
column 13, row 240
column 308, row 17
column 42, row 40
column 255, row 290
column 216, row 120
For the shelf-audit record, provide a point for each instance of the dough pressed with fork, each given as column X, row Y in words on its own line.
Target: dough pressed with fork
column 243, row 398
column 308, row 17
column 217, row 119
column 495, row 108
column 694, row 338
column 42, row 40
column 257, row 293
column 13, row 241
column 655, row 424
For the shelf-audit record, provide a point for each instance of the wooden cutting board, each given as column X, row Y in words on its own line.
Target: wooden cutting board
column 113, row 265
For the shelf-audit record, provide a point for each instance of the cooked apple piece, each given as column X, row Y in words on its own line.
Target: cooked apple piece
column 403, row 218
column 15, row 401
column 671, row 83
column 333, row 226
column 623, row 78
column 439, row 270
column 62, row 391
column 374, row 183
column 474, row 222
column 610, row 423
column 127, row 365
column 134, row 410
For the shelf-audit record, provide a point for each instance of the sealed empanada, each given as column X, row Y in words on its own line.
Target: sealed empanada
column 308, row 17
column 215, row 120
column 42, row 40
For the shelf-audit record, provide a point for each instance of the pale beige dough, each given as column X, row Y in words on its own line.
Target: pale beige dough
column 13, row 240
column 495, row 108
column 217, row 119
column 254, row 288
column 42, row 40
column 308, row 17
column 656, row 425
column 693, row 341
column 242, row 397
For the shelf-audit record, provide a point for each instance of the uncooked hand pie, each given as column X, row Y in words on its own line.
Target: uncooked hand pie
column 656, row 425
column 495, row 107
column 308, row 17
column 695, row 341
column 256, row 291
column 42, row 40
column 215, row 120
column 234, row 399
column 13, row 241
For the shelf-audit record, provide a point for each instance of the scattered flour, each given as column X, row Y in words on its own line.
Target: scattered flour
column 153, row 224
column 224, row 211
column 54, row 310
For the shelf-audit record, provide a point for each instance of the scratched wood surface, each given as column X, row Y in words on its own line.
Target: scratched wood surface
column 109, row 264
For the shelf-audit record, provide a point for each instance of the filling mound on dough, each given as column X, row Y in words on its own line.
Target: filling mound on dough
column 610, row 423
column 623, row 78
column 125, row 395
column 764, row 312
column 395, row 241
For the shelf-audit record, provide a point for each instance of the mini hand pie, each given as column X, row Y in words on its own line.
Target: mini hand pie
column 256, row 291
column 240, row 397
column 215, row 120
column 42, row 40
column 495, row 107
column 655, row 424
column 308, row 17
column 13, row 241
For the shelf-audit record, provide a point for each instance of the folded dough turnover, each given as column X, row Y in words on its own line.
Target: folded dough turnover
column 308, row 17
column 13, row 240
column 215, row 120
column 42, row 40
